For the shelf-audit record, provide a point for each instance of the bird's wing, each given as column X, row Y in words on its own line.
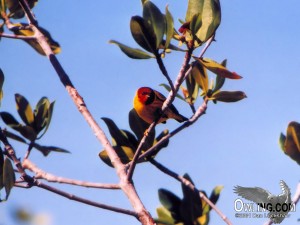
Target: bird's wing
column 256, row 194
column 285, row 196
column 162, row 98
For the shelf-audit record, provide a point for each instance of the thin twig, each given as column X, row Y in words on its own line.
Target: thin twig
column 13, row 36
column 30, row 146
column 40, row 174
column 164, row 71
column 199, row 112
column 191, row 186
column 85, row 201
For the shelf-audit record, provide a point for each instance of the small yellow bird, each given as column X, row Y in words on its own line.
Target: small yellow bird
column 148, row 102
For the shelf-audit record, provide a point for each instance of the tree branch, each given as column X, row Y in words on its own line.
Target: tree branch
column 126, row 186
column 85, row 201
column 40, row 174
column 13, row 36
column 200, row 111
column 191, row 186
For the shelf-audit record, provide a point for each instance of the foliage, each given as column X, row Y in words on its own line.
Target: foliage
column 191, row 209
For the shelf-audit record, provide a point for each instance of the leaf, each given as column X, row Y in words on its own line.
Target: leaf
column 292, row 141
column 215, row 194
column 33, row 43
column 133, row 53
column 16, row 10
column 282, row 139
column 229, row 96
column 125, row 154
column 192, row 88
column 28, row 132
column 40, row 113
column 47, row 118
column 218, row 68
column 47, row 149
column 191, row 206
column 194, row 7
column 116, row 133
column 168, row 88
column 143, row 34
column 211, row 19
column 219, row 79
column 196, row 24
column 155, row 19
column 10, row 121
column 14, row 136
column 139, row 126
column 24, row 109
column 169, row 27
column 1, row 84
column 199, row 73
column 164, row 216
column 8, row 176
column 171, row 202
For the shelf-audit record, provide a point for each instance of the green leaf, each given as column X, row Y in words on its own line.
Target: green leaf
column 196, row 24
column 191, row 206
column 24, row 110
column 215, row 194
column 131, row 138
column 46, row 110
column 1, row 84
column 171, row 202
column 220, row 80
column 228, row 96
column 14, row 136
column 164, row 217
column 194, row 7
column 143, row 34
column 139, row 126
column 211, row 19
column 40, row 113
column 119, row 137
column 169, row 27
column 8, row 176
column 125, row 154
column 292, row 141
column 168, row 88
column 1, row 169
column 33, row 43
column 199, row 73
column 28, row 132
column 10, row 121
column 155, row 19
column 218, row 68
column 133, row 53
column 16, row 10
column 282, row 139
column 45, row 150
column 192, row 88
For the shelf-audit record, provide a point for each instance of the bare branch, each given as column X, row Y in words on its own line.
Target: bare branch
column 13, row 36
column 85, row 201
column 164, row 71
column 199, row 112
column 191, row 186
column 40, row 174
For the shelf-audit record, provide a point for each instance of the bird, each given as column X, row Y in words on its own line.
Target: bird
column 148, row 103
column 273, row 203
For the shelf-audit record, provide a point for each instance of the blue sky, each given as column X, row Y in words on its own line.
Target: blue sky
column 233, row 144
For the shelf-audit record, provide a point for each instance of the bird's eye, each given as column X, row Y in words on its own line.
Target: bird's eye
column 144, row 93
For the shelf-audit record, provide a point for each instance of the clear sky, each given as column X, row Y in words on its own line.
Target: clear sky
column 233, row 144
